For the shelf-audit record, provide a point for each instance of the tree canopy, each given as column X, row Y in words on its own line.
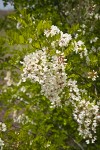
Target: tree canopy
column 50, row 68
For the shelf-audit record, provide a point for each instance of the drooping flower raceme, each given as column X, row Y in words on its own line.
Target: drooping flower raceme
column 74, row 91
column 84, row 112
column 48, row 71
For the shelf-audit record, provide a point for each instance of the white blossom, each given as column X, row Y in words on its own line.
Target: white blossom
column 92, row 75
column 94, row 40
column 8, row 78
column 30, row 40
column 80, row 48
column 3, row 127
column 64, row 39
column 52, row 31
column 87, row 141
column 23, row 89
column 18, row 26
column 21, row 118
column 97, row 16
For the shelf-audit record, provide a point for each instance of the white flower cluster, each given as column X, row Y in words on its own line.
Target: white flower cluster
column 85, row 112
column 3, row 127
column 64, row 38
column 94, row 40
column 80, row 48
column 74, row 91
column 23, row 89
column 52, row 31
column 22, row 118
column 48, row 71
column 93, row 49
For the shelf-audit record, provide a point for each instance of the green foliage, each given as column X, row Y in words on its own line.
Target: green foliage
column 32, row 123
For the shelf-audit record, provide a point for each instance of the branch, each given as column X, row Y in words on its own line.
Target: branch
column 79, row 145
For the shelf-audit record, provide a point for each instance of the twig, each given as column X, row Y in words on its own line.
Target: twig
column 79, row 145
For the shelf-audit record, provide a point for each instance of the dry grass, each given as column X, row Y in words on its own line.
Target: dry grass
column 4, row 13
